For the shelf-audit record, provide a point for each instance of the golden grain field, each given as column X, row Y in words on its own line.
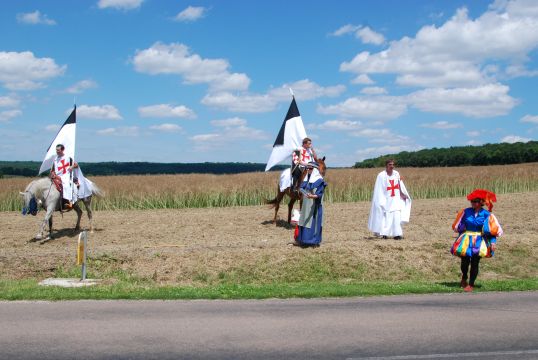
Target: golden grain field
column 345, row 185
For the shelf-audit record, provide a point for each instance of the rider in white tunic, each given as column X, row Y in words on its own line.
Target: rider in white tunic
column 391, row 204
column 62, row 168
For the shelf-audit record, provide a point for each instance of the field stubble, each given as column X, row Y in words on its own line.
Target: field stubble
column 239, row 245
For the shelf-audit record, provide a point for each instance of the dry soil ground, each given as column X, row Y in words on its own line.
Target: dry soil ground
column 204, row 246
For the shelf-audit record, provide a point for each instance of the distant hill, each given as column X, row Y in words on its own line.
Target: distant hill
column 30, row 168
column 488, row 154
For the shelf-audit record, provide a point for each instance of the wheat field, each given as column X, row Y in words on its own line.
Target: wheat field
column 345, row 185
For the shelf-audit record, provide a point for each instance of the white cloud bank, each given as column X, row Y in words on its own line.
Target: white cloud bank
column 81, row 86
column 103, row 112
column 119, row 4
column 166, row 111
column 191, row 14
column 460, row 65
column 24, row 71
column 177, row 59
column 35, row 18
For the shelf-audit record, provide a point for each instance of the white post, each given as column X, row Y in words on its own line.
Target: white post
column 81, row 252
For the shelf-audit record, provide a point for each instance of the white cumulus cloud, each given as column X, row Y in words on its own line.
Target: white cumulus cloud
column 123, row 131
column 191, row 13
column 337, row 125
column 362, row 79
column 346, row 29
column 7, row 115
column 481, row 101
column 514, row 139
column 364, row 33
column 441, row 125
column 374, row 90
column 533, row 119
column 35, row 18
column 166, row 111
column 375, row 108
column 177, row 59
column 305, row 90
column 9, row 101
column 459, row 52
column 168, row 128
column 369, row 36
column 229, row 122
column 104, row 112
column 23, row 71
column 80, row 86
column 120, row 4
column 253, row 103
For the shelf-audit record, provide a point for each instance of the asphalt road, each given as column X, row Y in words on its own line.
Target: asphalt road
column 456, row 326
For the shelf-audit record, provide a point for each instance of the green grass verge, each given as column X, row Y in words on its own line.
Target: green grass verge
column 30, row 290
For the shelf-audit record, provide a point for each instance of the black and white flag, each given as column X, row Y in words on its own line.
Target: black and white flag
column 290, row 137
column 66, row 137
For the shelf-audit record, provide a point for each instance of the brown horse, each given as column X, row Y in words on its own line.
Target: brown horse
column 294, row 196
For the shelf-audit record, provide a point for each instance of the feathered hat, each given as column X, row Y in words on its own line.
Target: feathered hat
column 489, row 197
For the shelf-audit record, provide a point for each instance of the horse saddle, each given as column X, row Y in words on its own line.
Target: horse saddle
column 58, row 183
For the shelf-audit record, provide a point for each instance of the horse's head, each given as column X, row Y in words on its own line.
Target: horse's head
column 29, row 203
column 322, row 166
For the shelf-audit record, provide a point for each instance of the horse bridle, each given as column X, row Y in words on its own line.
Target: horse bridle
column 32, row 208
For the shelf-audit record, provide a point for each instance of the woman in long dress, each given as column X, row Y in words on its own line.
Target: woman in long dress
column 311, row 220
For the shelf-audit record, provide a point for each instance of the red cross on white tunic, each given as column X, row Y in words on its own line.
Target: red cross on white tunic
column 305, row 156
column 393, row 187
column 64, row 166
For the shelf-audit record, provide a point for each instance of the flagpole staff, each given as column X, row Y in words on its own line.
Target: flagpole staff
column 72, row 162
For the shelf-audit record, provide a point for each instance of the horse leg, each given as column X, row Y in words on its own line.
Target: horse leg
column 88, row 205
column 278, row 199
column 290, row 208
column 79, row 215
column 47, row 219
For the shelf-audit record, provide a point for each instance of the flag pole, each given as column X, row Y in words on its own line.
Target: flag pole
column 71, row 172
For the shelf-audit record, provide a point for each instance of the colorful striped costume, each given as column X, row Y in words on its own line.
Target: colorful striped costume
column 477, row 232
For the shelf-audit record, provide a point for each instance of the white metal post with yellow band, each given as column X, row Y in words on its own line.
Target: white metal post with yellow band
column 81, row 252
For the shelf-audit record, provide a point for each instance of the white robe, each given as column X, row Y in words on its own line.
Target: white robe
column 61, row 164
column 389, row 211
column 71, row 191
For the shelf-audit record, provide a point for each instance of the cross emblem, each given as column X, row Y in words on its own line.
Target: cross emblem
column 393, row 187
column 64, row 166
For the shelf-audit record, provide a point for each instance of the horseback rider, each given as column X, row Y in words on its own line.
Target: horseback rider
column 61, row 174
column 302, row 157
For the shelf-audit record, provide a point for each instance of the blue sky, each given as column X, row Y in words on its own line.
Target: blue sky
column 183, row 81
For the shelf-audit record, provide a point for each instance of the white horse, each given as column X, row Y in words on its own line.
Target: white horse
column 42, row 193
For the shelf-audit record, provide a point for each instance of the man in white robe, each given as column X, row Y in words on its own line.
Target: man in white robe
column 74, row 184
column 62, row 167
column 391, row 204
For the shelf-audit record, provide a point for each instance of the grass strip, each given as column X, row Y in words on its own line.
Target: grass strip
column 30, row 290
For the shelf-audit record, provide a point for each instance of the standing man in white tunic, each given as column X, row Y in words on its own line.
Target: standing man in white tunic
column 391, row 204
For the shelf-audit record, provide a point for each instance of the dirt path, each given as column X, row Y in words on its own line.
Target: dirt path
column 240, row 244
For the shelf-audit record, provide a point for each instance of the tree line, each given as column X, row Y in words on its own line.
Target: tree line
column 30, row 168
column 488, row 154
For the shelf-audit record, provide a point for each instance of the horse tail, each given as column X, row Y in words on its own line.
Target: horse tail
column 272, row 202
column 96, row 190
column 276, row 200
